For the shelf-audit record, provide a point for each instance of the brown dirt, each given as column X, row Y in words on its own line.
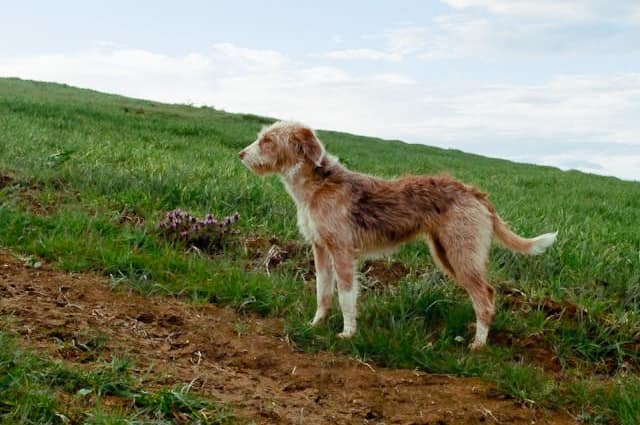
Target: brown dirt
column 27, row 193
column 242, row 360
column 379, row 275
column 516, row 299
column 130, row 217
column 5, row 180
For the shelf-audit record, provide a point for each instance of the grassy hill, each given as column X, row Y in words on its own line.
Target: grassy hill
column 85, row 177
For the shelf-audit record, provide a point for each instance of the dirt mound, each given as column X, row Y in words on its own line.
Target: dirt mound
column 243, row 360
column 5, row 180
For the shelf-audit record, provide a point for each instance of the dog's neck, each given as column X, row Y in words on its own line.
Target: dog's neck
column 289, row 176
column 303, row 178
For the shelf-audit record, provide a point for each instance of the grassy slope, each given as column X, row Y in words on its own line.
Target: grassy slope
column 86, row 159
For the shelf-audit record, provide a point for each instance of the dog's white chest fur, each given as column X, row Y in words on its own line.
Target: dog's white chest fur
column 306, row 224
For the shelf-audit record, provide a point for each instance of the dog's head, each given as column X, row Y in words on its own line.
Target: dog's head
column 281, row 147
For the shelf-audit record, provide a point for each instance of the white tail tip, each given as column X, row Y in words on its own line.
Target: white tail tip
column 542, row 242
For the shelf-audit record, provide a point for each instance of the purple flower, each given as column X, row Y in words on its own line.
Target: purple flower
column 182, row 226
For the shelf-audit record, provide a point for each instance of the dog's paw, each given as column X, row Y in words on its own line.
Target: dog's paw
column 317, row 319
column 315, row 322
column 476, row 346
column 346, row 334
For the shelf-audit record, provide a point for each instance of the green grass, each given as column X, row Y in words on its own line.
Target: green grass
column 81, row 161
column 37, row 390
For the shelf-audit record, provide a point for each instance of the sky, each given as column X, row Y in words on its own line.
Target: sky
column 553, row 82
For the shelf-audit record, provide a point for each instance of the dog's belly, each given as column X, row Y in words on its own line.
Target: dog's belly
column 377, row 252
column 379, row 245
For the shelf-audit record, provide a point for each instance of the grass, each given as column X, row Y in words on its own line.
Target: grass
column 87, row 177
column 37, row 390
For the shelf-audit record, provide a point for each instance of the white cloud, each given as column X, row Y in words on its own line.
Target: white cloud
column 539, row 28
column 596, row 109
column 324, row 75
column 369, row 54
column 462, row 36
column 406, row 40
column 393, row 78
column 594, row 115
column 634, row 15
column 132, row 71
column 397, row 43
column 467, row 35
column 337, row 38
column 254, row 58
column 568, row 9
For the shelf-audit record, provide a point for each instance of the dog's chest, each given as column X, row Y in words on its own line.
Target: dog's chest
column 306, row 224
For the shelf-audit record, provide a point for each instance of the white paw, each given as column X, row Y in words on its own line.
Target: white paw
column 346, row 334
column 315, row 322
column 477, row 345
column 317, row 319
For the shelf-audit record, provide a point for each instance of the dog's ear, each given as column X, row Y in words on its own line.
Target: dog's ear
column 308, row 145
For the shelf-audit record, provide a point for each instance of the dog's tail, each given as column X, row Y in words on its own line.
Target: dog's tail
column 512, row 241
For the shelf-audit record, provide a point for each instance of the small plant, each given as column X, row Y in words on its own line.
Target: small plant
column 181, row 227
column 58, row 158
column 240, row 327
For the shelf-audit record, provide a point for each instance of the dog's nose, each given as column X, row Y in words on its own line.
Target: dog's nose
column 242, row 154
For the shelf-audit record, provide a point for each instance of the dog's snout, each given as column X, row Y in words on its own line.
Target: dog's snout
column 242, row 154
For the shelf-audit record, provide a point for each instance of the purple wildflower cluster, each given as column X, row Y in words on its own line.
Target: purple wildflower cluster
column 180, row 226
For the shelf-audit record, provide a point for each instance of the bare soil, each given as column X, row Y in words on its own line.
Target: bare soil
column 243, row 360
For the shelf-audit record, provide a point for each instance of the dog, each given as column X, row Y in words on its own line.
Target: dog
column 345, row 215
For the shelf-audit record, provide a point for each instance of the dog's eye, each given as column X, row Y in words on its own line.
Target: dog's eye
column 265, row 141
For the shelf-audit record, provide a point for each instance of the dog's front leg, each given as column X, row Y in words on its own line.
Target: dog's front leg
column 325, row 282
column 344, row 266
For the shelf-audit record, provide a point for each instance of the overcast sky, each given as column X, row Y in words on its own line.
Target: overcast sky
column 553, row 82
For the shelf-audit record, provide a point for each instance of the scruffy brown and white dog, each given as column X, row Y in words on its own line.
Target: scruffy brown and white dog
column 344, row 215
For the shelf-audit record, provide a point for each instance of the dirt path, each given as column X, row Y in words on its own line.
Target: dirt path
column 242, row 360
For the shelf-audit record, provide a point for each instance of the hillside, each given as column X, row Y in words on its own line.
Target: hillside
column 85, row 178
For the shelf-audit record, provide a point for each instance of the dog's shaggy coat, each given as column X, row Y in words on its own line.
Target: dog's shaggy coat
column 344, row 215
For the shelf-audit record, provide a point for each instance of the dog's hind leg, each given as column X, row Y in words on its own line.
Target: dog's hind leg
column 344, row 266
column 325, row 282
column 483, row 299
column 465, row 245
